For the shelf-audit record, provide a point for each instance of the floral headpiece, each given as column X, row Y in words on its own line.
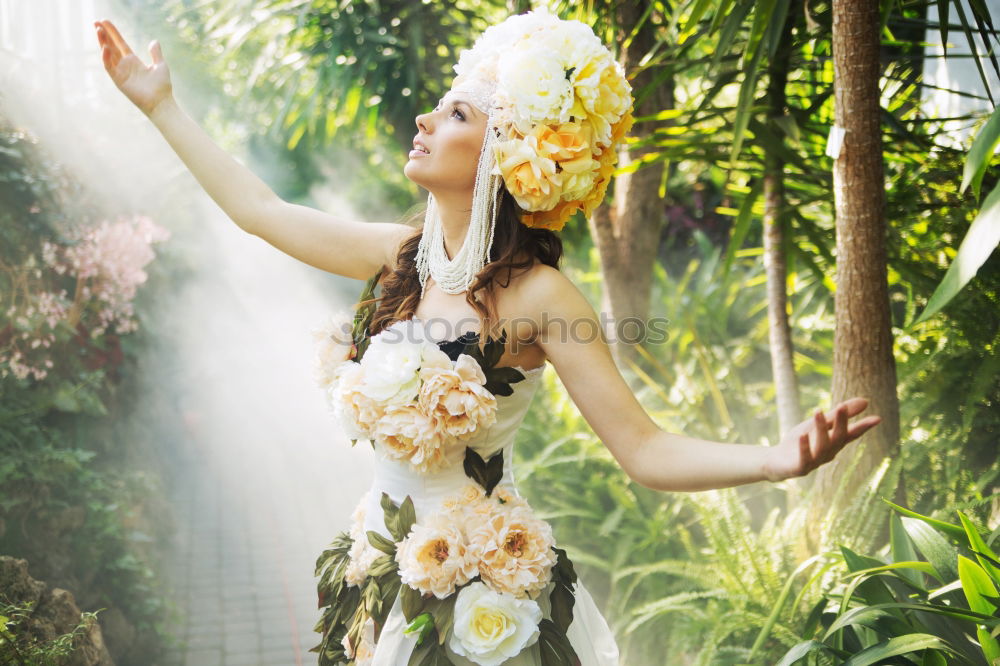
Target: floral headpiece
column 558, row 104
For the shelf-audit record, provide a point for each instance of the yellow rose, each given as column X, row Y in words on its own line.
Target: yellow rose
column 563, row 143
column 606, row 102
column 530, row 178
column 607, row 160
column 554, row 219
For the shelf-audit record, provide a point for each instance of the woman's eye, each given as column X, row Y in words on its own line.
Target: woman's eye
column 455, row 111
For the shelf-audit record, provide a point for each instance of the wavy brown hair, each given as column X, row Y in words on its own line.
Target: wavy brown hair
column 515, row 246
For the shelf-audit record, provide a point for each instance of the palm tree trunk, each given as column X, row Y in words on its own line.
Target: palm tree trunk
column 775, row 229
column 627, row 233
column 863, row 363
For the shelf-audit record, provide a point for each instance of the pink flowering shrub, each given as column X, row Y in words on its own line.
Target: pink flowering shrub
column 103, row 266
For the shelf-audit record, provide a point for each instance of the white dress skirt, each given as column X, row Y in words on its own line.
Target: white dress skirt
column 588, row 633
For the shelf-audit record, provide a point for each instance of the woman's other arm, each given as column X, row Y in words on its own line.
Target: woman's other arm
column 351, row 248
column 651, row 456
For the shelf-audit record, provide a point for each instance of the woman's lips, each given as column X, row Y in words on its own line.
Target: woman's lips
column 417, row 153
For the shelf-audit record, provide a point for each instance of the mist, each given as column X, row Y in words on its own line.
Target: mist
column 261, row 478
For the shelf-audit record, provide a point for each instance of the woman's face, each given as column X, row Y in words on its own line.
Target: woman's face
column 447, row 145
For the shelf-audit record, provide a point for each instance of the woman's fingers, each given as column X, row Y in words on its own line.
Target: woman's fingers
column 109, row 50
column 117, row 37
column 805, row 455
column 854, row 407
column 839, row 424
column 863, row 426
column 822, row 436
column 155, row 52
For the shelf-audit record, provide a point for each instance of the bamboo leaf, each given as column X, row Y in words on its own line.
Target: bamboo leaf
column 981, row 153
column 933, row 546
column 896, row 646
column 983, row 552
column 951, row 529
column 977, row 246
column 806, row 648
column 977, row 586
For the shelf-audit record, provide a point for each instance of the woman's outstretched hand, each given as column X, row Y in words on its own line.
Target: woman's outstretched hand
column 817, row 440
column 145, row 85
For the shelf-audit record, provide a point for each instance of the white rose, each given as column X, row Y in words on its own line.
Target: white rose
column 491, row 627
column 533, row 81
column 392, row 362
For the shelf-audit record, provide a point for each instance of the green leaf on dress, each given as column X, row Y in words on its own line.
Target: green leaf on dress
column 554, row 647
column 411, row 601
column 422, row 624
column 391, row 514
column 486, row 474
column 407, row 516
column 561, row 598
column 431, row 653
column 363, row 316
column 380, row 542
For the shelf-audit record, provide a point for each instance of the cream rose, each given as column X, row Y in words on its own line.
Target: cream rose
column 491, row 627
column 457, row 397
column 514, row 549
column 434, row 557
column 467, row 496
column 334, row 345
column 362, row 553
column 508, row 498
column 365, row 654
column 408, row 433
column 356, row 412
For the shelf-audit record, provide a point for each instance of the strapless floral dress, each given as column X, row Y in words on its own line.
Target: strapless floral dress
column 445, row 562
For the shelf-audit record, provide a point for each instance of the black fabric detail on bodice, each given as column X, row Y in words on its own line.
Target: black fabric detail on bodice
column 455, row 347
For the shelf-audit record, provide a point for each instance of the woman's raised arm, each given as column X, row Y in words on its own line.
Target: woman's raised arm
column 652, row 457
column 351, row 248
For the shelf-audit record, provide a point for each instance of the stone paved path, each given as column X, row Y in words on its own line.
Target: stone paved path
column 264, row 478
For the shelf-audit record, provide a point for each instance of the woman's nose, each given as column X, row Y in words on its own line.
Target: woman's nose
column 423, row 122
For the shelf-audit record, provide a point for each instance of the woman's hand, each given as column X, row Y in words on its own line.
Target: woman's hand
column 817, row 440
column 146, row 86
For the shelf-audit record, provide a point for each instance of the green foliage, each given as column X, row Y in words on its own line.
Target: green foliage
column 19, row 646
column 691, row 576
column 69, row 503
column 901, row 605
column 984, row 232
column 331, row 89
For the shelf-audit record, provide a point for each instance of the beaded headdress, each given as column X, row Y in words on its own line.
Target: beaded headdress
column 557, row 104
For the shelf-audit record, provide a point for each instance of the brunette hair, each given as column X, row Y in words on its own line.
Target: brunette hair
column 511, row 239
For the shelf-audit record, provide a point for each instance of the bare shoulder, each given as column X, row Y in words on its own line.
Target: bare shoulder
column 542, row 280
column 544, row 291
column 394, row 240
column 541, row 295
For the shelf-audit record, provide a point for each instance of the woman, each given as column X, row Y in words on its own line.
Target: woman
column 445, row 559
